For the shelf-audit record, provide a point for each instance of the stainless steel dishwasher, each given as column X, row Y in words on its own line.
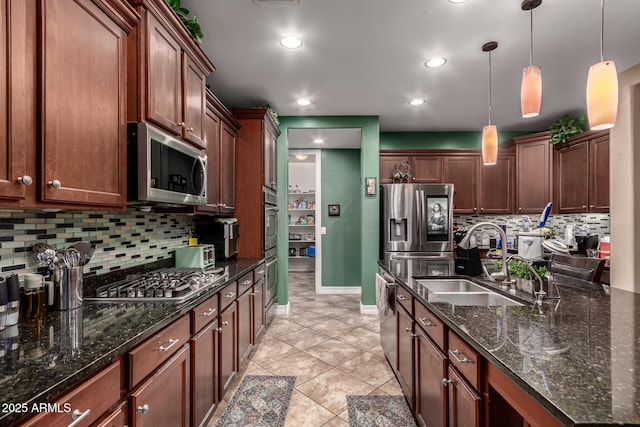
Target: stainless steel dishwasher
column 386, row 303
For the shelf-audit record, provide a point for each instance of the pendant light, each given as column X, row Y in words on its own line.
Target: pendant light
column 602, row 88
column 489, row 132
column 531, row 89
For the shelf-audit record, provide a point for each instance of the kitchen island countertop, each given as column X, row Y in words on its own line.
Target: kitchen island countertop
column 42, row 358
column 578, row 357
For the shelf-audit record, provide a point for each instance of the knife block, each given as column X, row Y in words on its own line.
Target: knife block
column 467, row 261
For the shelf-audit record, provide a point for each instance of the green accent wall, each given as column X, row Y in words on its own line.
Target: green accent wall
column 341, row 246
column 437, row 140
column 369, row 206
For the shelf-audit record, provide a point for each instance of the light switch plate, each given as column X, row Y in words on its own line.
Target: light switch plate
column 323, row 230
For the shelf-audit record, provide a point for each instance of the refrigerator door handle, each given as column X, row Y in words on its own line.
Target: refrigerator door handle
column 418, row 204
column 423, row 220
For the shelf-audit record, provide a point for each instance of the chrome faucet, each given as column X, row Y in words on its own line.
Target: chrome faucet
column 503, row 274
column 540, row 293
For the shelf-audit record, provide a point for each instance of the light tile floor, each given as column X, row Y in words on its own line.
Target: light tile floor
column 332, row 350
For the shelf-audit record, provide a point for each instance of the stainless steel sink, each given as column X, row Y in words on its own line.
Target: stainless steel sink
column 473, row 298
column 452, row 285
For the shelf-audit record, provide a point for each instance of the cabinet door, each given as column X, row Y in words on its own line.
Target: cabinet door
column 405, row 367
column 464, row 402
column 163, row 399
column 227, row 169
column 599, row 174
column 118, row 417
column 204, row 372
column 244, row 326
column 533, row 179
column 17, row 95
column 212, row 140
column 257, row 310
column 164, row 91
column 431, row 394
column 573, row 181
column 83, row 157
column 193, row 101
column 228, row 350
column 426, row 169
column 462, row 172
column 497, row 186
column 387, row 164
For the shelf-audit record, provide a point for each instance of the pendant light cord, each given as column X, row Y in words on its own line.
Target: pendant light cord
column 531, row 40
column 489, row 87
column 601, row 30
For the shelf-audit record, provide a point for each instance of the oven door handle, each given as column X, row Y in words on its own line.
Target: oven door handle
column 272, row 209
column 270, row 263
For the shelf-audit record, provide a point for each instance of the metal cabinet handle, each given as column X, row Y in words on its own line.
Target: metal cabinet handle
column 143, row 409
column 25, row 180
column 172, row 342
column 247, row 282
column 402, row 297
column 426, row 322
column 260, row 271
column 455, row 354
column 446, row 382
column 78, row 416
column 255, row 293
column 209, row 312
column 55, row 183
column 230, row 295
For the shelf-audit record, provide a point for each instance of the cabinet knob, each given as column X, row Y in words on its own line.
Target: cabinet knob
column 219, row 330
column 54, row 184
column 26, row 180
column 414, row 178
column 592, row 206
column 143, row 409
column 520, row 208
column 446, row 382
column 181, row 124
column 190, row 130
column 475, row 209
column 584, row 206
column 481, row 209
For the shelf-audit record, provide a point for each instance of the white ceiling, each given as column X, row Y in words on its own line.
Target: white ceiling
column 366, row 57
column 333, row 138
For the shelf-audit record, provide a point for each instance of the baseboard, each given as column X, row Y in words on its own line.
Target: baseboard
column 338, row 290
column 283, row 309
column 368, row 309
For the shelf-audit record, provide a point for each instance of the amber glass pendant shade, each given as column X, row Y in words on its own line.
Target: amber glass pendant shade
column 602, row 95
column 531, row 92
column 489, row 145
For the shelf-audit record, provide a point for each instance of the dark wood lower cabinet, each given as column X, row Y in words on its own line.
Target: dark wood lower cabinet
column 257, row 310
column 405, row 367
column 464, row 402
column 244, row 326
column 228, row 350
column 204, row 373
column 431, row 393
column 163, row 399
column 118, row 417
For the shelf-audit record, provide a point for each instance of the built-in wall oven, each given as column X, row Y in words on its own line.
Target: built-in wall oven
column 270, row 251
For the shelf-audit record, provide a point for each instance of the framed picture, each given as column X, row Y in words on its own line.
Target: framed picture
column 334, row 210
column 370, row 186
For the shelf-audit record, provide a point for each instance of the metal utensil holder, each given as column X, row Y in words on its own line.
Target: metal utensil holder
column 65, row 290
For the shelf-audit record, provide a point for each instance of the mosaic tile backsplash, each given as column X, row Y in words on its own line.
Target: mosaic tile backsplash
column 597, row 223
column 123, row 239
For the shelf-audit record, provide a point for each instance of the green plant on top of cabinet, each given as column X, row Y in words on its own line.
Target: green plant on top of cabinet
column 167, row 83
column 70, row 85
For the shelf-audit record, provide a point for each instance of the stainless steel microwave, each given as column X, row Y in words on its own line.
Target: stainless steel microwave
column 163, row 169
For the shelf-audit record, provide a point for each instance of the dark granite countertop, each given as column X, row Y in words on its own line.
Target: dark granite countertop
column 40, row 359
column 580, row 359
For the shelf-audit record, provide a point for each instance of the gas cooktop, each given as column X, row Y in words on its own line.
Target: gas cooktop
column 170, row 285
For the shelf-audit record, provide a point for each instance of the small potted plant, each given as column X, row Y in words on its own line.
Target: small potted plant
column 525, row 280
column 566, row 127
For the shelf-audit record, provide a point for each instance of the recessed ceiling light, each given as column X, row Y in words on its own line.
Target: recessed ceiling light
column 303, row 101
column 457, row 1
column 417, row 101
column 318, row 141
column 434, row 62
column 301, row 156
column 291, row 42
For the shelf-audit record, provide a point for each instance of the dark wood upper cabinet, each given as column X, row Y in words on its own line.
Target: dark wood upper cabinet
column 581, row 165
column 83, row 103
column 462, row 172
column 388, row 163
column 496, row 195
column 166, row 85
column 534, row 178
column 423, row 168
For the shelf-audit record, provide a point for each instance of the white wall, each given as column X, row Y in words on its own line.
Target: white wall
column 624, row 185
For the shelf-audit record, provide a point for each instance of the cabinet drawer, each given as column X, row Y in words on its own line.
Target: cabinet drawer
column 245, row 283
column 93, row 397
column 465, row 359
column 203, row 314
column 145, row 358
column 405, row 299
column 259, row 273
column 430, row 324
column 228, row 295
